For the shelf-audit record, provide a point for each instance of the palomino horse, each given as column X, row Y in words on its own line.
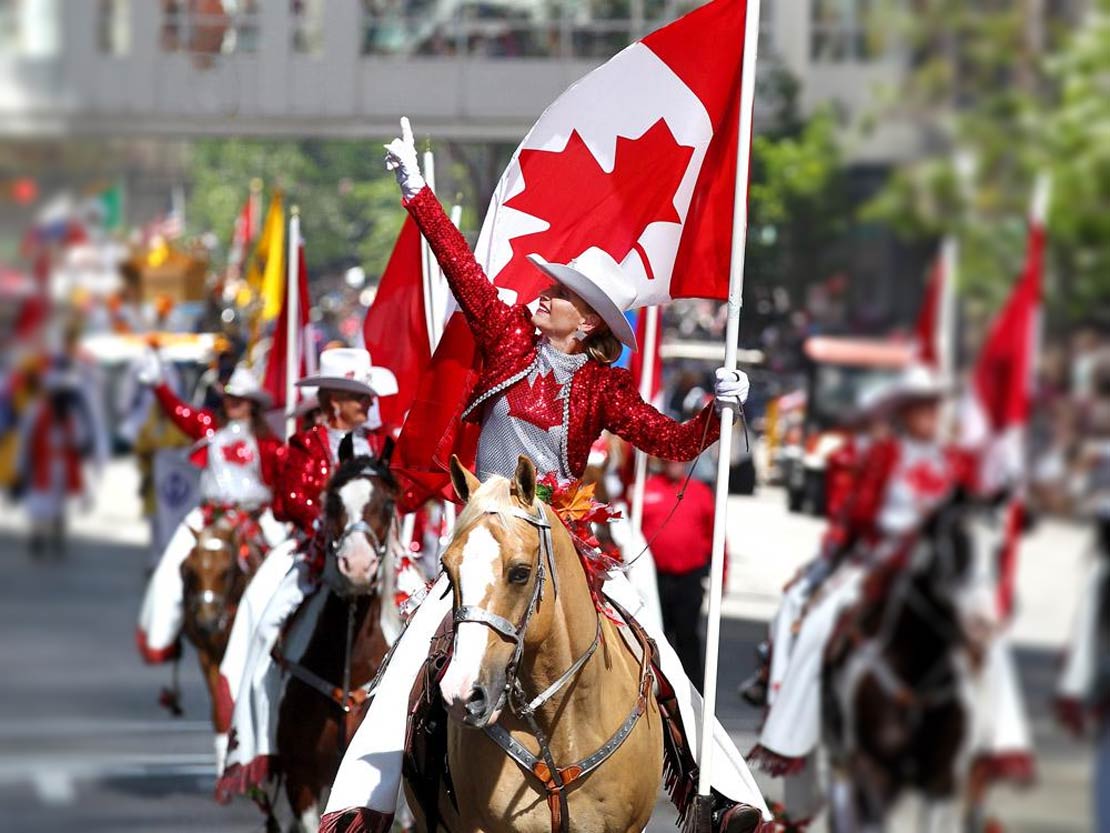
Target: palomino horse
column 552, row 725
column 325, row 700
column 895, row 714
column 227, row 552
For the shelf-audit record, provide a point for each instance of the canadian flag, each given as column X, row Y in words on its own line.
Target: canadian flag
column 642, row 365
column 241, row 235
column 933, row 333
column 395, row 329
column 637, row 158
column 996, row 407
column 274, row 381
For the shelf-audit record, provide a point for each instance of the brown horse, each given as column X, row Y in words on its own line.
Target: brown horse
column 553, row 724
column 227, row 553
column 325, row 700
column 894, row 715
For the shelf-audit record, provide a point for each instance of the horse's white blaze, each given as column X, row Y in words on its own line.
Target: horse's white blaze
column 357, row 559
column 477, row 572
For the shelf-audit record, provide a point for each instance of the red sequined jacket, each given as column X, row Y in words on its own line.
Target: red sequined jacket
column 841, row 472
column 304, row 476
column 857, row 517
column 201, row 424
column 602, row 397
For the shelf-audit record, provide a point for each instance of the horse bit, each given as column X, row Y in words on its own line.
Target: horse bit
column 542, row 767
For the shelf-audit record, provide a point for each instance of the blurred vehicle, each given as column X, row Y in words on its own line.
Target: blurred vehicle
column 839, row 373
column 116, row 355
column 700, row 359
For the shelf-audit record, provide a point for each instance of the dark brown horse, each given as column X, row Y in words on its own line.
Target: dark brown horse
column 325, row 700
column 227, row 553
column 894, row 716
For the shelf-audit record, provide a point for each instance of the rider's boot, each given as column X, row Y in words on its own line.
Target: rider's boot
column 754, row 689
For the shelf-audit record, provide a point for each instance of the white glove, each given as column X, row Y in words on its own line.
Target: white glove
column 400, row 157
column 150, row 371
column 731, row 387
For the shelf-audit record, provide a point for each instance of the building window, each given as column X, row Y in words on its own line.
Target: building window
column 842, row 31
column 29, row 28
column 114, row 27
column 308, row 26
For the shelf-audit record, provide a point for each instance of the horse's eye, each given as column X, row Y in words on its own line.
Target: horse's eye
column 519, row 574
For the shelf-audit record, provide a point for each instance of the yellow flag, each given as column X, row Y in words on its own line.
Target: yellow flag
column 266, row 274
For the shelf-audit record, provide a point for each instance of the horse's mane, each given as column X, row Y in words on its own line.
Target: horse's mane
column 362, row 466
column 365, row 465
column 494, row 497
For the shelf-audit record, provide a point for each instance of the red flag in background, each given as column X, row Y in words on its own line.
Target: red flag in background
column 274, row 381
column 636, row 360
column 996, row 407
column 637, row 158
column 1003, row 377
column 927, row 329
column 241, row 235
column 394, row 330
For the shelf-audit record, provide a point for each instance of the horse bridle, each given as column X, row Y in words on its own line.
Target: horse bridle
column 379, row 544
column 542, row 767
column 344, row 697
column 213, row 597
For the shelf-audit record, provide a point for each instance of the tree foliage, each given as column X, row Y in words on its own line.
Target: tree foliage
column 1002, row 97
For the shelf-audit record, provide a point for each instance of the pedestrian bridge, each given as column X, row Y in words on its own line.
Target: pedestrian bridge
column 460, row 68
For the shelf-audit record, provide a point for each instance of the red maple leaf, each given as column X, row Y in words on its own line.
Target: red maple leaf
column 537, row 402
column 926, row 481
column 586, row 206
column 238, row 453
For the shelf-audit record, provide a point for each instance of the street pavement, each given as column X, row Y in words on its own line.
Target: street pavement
column 84, row 744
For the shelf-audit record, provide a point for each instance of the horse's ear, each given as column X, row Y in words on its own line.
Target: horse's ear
column 346, row 447
column 463, row 479
column 524, row 481
column 387, row 451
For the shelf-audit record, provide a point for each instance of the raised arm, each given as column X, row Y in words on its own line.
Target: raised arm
column 630, row 417
column 485, row 312
column 195, row 423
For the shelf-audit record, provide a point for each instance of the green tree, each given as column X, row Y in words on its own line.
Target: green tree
column 350, row 209
column 1004, row 93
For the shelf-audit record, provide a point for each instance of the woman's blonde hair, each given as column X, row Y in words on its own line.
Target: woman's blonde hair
column 603, row 346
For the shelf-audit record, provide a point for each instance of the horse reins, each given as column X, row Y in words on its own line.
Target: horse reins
column 344, row 697
column 542, row 767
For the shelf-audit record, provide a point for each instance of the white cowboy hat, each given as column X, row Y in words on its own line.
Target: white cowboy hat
column 916, row 382
column 244, row 384
column 596, row 278
column 350, row 369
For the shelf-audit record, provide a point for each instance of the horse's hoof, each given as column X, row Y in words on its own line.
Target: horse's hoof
column 739, row 818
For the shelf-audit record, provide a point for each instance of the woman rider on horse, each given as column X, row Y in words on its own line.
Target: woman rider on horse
column 239, row 456
column 901, row 481
column 547, row 390
column 348, row 386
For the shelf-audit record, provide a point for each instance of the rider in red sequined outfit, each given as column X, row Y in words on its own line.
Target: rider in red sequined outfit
column 547, row 389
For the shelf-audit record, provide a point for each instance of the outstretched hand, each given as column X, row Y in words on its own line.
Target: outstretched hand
column 401, row 158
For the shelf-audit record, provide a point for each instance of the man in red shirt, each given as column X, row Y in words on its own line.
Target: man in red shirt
column 681, row 548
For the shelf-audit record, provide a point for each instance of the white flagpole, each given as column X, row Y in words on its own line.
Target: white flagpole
column 724, row 450
column 292, row 336
column 946, row 325
column 647, row 378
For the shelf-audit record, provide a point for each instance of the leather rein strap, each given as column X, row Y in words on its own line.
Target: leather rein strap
column 542, row 767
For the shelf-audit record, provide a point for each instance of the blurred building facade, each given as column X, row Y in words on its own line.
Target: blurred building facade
column 462, row 69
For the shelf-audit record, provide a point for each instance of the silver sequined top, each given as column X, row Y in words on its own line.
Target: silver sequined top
column 521, row 418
